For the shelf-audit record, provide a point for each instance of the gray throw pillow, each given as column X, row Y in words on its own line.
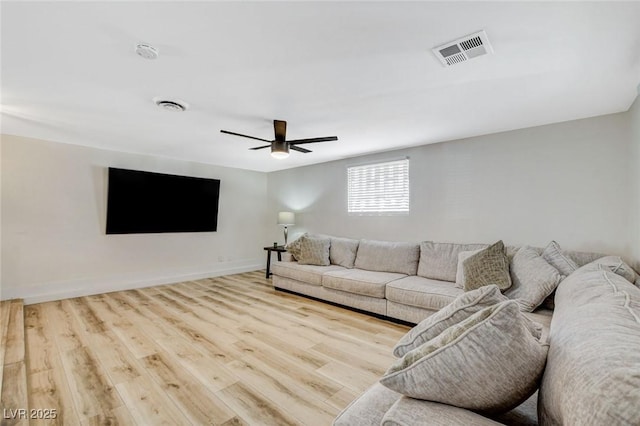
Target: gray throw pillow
column 554, row 255
column 462, row 256
column 489, row 362
column 314, row 251
column 294, row 246
column 618, row 266
column 533, row 279
column 460, row 309
column 488, row 266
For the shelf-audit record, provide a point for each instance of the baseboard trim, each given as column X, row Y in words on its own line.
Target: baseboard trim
column 360, row 311
column 59, row 290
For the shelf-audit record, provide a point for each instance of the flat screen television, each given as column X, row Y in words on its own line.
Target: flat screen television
column 143, row 202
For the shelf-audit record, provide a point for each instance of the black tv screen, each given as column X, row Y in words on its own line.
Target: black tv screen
column 144, row 202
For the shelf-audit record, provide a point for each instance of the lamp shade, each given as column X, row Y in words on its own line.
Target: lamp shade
column 286, row 218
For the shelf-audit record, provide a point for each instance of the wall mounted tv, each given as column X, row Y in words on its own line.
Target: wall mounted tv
column 143, row 202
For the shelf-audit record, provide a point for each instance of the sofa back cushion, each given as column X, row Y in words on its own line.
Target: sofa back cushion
column 388, row 256
column 593, row 367
column 439, row 261
column 343, row 251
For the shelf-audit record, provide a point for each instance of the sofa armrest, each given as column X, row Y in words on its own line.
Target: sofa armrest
column 287, row 257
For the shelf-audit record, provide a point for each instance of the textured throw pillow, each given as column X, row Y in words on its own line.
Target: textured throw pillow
column 555, row 257
column 294, row 246
column 533, row 279
column 314, row 251
column 488, row 266
column 460, row 309
column 462, row 256
column 343, row 251
column 489, row 362
column 618, row 266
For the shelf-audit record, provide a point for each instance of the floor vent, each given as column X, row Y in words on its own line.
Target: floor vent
column 463, row 49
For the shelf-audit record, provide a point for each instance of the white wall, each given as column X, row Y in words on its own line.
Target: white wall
column 53, row 224
column 566, row 181
column 634, row 235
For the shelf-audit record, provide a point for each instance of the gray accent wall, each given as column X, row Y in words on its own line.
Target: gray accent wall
column 570, row 182
column 53, row 224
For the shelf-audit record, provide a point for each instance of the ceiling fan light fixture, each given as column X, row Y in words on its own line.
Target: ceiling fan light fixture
column 279, row 149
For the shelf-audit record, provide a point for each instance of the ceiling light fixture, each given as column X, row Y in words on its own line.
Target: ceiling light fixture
column 147, row 51
column 279, row 149
column 177, row 106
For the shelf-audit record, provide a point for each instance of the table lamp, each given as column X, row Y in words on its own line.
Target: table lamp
column 286, row 219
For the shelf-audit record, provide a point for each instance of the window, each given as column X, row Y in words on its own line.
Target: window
column 379, row 189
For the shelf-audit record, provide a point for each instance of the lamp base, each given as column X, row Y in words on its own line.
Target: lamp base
column 286, row 235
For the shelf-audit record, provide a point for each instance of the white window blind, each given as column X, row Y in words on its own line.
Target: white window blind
column 379, row 189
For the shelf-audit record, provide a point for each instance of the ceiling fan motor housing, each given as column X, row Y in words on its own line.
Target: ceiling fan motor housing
column 279, row 149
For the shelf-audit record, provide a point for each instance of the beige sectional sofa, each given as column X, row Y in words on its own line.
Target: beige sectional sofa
column 592, row 375
column 399, row 280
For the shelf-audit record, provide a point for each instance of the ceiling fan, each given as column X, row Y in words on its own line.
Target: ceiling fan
column 280, row 146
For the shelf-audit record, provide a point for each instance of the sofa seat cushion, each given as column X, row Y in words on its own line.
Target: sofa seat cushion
column 410, row 411
column 310, row 274
column 422, row 292
column 369, row 408
column 358, row 281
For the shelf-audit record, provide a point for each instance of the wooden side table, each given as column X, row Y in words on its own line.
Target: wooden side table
column 277, row 249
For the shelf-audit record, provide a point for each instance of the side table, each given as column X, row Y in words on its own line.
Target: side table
column 277, row 249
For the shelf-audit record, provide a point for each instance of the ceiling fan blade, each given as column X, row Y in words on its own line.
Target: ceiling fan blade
column 244, row 136
column 280, row 129
column 313, row 140
column 260, row 147
column 297, row 148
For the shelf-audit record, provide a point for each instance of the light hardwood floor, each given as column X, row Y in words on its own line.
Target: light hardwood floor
column 227, row 350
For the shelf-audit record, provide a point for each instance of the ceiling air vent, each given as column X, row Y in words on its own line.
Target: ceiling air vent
column 463, row 49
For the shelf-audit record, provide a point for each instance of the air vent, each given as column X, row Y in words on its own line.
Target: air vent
column 463, row 49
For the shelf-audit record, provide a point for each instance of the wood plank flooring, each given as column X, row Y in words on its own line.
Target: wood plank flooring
column 228, row 350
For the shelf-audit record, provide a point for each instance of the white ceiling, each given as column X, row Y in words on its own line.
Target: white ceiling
column 361, row 71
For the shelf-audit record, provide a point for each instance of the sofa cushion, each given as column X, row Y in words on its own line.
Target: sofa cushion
column 618, row 266
column 593, row 370
column 358, row 281
column 489, row 362
column 555, row 256
column 439, row 261
column 462, row 256
column 465, row 305
column 488, row 266
column 310, row 274
column 408, row 411
column 369, row 408
column 314, row 251
column 343, row 251
column 385, row 256
column 422, row 292
column 533, row 279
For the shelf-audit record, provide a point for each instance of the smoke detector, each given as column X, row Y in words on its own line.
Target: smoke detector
column 147, row 51
column 171, row 105
column 463, row 49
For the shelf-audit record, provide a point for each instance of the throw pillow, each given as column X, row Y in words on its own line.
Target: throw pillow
column 488, row 266
column 314, row 251
column 618, row 266
column 533, row 279
column 489, row 362
column 460, row 309
column 554, row 255
column 462, row 256
column 294, row 246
